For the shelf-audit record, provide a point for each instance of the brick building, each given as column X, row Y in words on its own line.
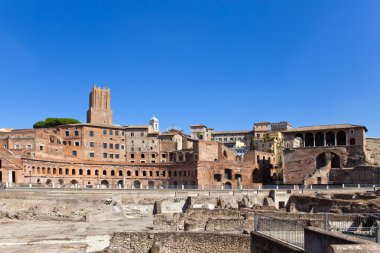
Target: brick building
column 100, row 154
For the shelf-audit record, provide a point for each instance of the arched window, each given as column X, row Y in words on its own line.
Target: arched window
column 104, row 172
column 120, row 173
column 136, row 173
column 330, row 139
column 96, row 172
column 112, row 173
column 73, row 172
column 80, row 172
column 128, row 173
column 341, row 138
column 319, row 139
column 54, row 171
column 309, row 140
column 144, row 173
column 60, row 171
column 88, row 172
column 352, row 141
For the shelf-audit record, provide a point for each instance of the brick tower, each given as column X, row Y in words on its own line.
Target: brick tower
column 100, row 106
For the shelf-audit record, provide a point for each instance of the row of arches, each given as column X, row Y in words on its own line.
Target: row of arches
column 320, row 139
column 113, row 173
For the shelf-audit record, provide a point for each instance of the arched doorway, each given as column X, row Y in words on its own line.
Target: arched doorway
column 136, row 184
column 121, row 183
column 352, row 141
column 321, row 161
column 73, row 182
column 61, row 182
column 341, row 138
column 227, row 185
column 104, row 184
column 151, row 184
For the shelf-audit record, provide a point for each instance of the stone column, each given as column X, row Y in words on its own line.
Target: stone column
column 10, row 182
column 313, row 140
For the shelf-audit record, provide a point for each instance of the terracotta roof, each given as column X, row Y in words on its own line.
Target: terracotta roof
column 324, row 127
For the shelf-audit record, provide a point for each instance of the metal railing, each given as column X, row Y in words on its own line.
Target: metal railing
column 289, row 227
column 284, row 229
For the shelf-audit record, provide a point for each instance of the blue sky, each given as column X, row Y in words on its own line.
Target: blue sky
column 226, row 64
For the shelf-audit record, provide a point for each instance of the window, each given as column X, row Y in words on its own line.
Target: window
column 132, row 134
column 142, row 155
column 258, row 135
column 111, row 156
column 104, row 131
column 41, row 147
column 104, row 145
column 122, row 133
column 116, row 146
column 117, row 156
column 144, row 173
column 117, row 132
column 157, row 173
column 153, row 155
column 142, row 161
column 91, row 133
column 76, row 133
column 136, row 173
column 111, row 132
column 74, row 153
column 92, row 154
column 67, row 133
column 17, row 146
column 163, row 155
column 111, row 145
column 122, row 147
column 132, row 156
column 151, row 173
column 132, row 149
column 104, row 155
column 152, row 141
column 92, row 144
column 76, row 143
column 29, row 146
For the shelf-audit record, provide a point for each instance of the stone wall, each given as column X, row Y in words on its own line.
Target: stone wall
column 178, row 242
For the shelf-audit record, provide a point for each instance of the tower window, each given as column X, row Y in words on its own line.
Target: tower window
column 91, row 133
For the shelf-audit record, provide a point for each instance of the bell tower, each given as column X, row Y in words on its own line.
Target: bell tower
column 99, row 111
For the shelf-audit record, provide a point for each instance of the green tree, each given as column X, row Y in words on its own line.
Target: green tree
column 53, row 122
column 252, row 143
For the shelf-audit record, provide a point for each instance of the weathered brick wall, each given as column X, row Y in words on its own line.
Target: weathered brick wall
column 179, row 242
